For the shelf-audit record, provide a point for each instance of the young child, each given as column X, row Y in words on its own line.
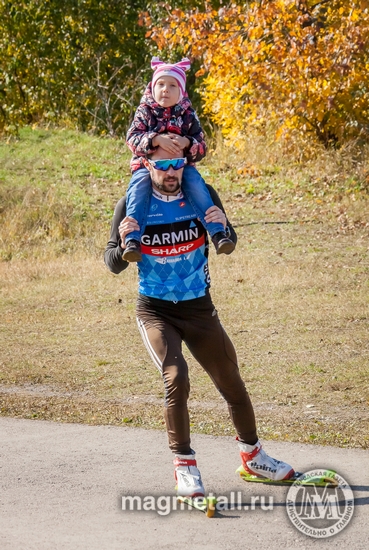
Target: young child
column 166, row 118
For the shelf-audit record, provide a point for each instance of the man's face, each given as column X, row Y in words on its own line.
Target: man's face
column 168, row 182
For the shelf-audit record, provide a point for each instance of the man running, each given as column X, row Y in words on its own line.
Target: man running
column 174, row 306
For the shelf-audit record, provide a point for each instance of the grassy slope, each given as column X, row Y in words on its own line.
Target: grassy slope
column 293, row 297
column 57, row 190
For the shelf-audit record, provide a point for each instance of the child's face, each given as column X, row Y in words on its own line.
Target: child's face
column 166, row 91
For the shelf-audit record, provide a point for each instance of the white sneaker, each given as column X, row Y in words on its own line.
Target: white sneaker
column 256, row 462
column 188, row 476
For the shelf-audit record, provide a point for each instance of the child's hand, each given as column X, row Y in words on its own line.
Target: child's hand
column 182, row 141
column 166, row 142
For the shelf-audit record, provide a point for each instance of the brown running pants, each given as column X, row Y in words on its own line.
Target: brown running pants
column 164, row 326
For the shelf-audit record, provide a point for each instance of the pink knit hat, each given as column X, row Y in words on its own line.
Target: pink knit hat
column 176, row 70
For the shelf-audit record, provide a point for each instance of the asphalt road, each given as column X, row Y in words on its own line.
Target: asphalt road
column 62, row 487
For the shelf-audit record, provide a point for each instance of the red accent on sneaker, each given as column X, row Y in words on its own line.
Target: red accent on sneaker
column 251, row 471
column 290, row 474
column 247, row 468
column 249, row 456
column 184, row 462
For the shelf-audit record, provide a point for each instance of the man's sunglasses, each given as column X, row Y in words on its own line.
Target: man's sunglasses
column 165, row 164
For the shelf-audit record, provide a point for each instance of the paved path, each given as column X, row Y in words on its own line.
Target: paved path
column 62, row 485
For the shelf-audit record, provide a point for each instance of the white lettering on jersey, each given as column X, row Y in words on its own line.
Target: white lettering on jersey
column 173, row 250
column 171, row 238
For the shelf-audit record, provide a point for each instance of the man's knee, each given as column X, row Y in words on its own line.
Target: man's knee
column 177, row 386
column 233, row 388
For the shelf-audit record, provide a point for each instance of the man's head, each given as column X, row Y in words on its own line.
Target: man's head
column 169, row 81
column 166, row 176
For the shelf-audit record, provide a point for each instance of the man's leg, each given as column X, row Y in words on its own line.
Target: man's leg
column 210, row 345
column 212, row 348
column 164, row 344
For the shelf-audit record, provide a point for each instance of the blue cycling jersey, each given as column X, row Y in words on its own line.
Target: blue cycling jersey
column 174, row 248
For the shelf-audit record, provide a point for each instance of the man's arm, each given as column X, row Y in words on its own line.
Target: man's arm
column 216, row 200
column 113, row 252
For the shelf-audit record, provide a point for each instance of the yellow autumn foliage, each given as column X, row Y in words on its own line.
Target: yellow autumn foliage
column 297, row 65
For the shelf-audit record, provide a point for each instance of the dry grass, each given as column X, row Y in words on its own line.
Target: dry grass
column 293, row 297
column 295, row 303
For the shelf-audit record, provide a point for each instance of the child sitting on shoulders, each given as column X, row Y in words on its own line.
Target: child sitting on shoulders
column 166, row 118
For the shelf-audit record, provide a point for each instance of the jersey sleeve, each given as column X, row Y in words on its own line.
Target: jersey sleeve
column 216, row 200
column 113, row 252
